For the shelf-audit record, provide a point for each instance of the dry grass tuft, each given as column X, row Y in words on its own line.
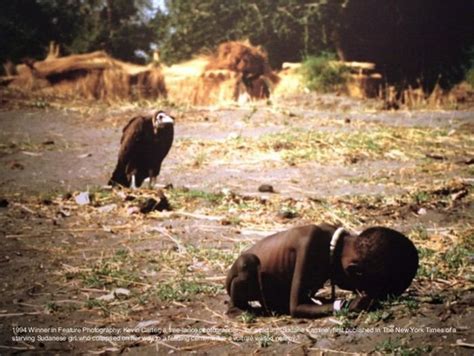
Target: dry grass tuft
column 417, row 98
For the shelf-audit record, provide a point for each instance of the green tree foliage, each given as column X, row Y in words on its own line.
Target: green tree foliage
column 287, row 29
column 24, row 29
column 410, row 40
column 119, row 27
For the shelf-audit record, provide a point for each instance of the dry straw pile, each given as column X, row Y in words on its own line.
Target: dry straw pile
column 92, row 76
column 236, row 71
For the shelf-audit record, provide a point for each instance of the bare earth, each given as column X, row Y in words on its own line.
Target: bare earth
column 343, row 163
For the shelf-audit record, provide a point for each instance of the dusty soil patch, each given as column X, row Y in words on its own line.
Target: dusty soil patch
column 104, row 265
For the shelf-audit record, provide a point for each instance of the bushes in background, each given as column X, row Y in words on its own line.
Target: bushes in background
column 323, row 73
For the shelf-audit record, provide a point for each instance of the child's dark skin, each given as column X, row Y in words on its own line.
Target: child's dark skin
column 284, row 270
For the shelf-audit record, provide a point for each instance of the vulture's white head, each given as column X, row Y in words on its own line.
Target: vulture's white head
column 160, row 120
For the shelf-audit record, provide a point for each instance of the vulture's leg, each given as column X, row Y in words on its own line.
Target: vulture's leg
column 152, row 182
column 133, row 184
column 152, row 174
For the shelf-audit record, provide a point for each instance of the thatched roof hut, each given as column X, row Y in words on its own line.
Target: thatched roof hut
column 93, row 75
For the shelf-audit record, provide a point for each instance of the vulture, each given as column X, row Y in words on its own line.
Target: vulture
column 145, row 142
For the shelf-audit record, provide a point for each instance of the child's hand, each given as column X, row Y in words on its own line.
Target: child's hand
column 354, row 305
column 340, row 304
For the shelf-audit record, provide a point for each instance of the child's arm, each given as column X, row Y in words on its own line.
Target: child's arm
column 312, row 311
column 310, row 272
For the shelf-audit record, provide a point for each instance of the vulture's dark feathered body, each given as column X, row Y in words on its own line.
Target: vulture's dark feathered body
column 145, row 142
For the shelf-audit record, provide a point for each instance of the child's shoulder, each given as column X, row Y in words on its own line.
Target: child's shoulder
column 320, row 230
column 312, row 234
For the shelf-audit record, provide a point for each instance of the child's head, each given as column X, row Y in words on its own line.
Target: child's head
column 387, row 262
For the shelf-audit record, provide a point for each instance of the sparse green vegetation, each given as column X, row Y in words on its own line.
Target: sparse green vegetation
column 379, row 315
column 51, row 307
column 116, row 271
column 421, row 197
column 323, row 73
column 185, row 290
column 451, row 261
column 182, row 196
column 296, row 146
column 288, row 212
column 420, row 233
column 218, row 258
column 411, row 304
column 265, row 339
column 247, row 318
column 98, row 304
column 101, row 196
column 346, row 317
column 399, row 347
column 456, row 258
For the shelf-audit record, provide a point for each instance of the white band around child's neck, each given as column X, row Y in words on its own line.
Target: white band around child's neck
column 332, row 247
column 335, row 237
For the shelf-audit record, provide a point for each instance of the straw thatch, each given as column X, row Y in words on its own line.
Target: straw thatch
column 362, row 82
column 182, row 80
column 363, row 85
column 291, row 81
column 237, row 71
column 189, row 83
column 218, row 86
column 239, row 57
column 93, row 76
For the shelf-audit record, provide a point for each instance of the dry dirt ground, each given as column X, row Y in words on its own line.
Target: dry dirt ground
column 104, row 278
